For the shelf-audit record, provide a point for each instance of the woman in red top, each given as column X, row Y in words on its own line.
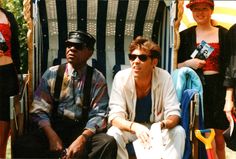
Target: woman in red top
column 9, row 67
column 210, row 70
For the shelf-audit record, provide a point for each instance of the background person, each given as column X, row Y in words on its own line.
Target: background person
column 142, row 95
column 230, row 84
column 66, row 127
column 230, row 78
column 9, row 67
column 211, row 70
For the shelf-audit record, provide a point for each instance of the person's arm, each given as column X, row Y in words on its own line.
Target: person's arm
column 42, row 103
column 41, row 109
column 193, row 63
column 97, row 121
column 229, row 81
column 55, row 143
column 119, row 116
column 79, row 144
column 15, row 45
column 122, row 124
column 126, row 125
column 229, row 100
column 229, row 103
column 170, row 122
column 171, row 105
column 141, row 131
column 187, row 46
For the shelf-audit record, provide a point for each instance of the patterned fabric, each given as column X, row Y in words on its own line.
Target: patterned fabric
column 212, row 61
column 6, row 32
column 71, row 98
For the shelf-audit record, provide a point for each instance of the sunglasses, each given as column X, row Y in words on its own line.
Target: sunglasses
column 141, row 57
column 77, row 46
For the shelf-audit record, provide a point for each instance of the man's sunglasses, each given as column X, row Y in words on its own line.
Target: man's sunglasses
column 78, row 46
column 142, row 57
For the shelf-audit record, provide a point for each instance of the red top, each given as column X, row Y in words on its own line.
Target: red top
column 6, row 32
column 212, row 62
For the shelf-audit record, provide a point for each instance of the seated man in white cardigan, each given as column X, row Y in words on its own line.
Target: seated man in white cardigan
column 142, row 95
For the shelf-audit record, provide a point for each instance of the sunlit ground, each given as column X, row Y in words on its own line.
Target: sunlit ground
column 229, row 153
column 8, row 156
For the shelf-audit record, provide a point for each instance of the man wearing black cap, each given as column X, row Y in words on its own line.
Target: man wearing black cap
column 72, row 118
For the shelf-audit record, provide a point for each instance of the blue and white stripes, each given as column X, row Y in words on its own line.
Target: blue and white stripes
column 114, row 23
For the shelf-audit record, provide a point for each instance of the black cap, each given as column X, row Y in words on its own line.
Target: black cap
column 81, row 37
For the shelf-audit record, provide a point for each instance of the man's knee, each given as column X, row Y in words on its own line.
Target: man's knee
column 115, row 132
column 179, row 131
column 109, row 140
column 103, row 146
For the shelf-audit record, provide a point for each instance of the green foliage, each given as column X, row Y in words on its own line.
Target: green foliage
column 16, row 7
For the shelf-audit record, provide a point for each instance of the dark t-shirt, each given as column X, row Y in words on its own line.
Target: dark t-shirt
column 143, row 109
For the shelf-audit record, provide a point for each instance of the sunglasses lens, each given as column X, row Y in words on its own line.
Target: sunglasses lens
column 142, row 58
column 79, row 46
column 132, row 57
column 76, row 46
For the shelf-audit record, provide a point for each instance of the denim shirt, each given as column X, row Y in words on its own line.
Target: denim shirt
column 71, row 98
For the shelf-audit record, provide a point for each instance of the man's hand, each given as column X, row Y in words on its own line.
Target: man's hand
column 55, row 143
column 229, row 103
column 142, row 132
column 76, row 148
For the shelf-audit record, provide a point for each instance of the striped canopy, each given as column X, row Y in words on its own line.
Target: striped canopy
column 114, row 23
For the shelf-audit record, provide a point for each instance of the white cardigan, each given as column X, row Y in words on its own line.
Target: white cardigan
column 123, row 96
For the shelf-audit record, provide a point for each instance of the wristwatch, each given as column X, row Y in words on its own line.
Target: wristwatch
column 85, row 136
